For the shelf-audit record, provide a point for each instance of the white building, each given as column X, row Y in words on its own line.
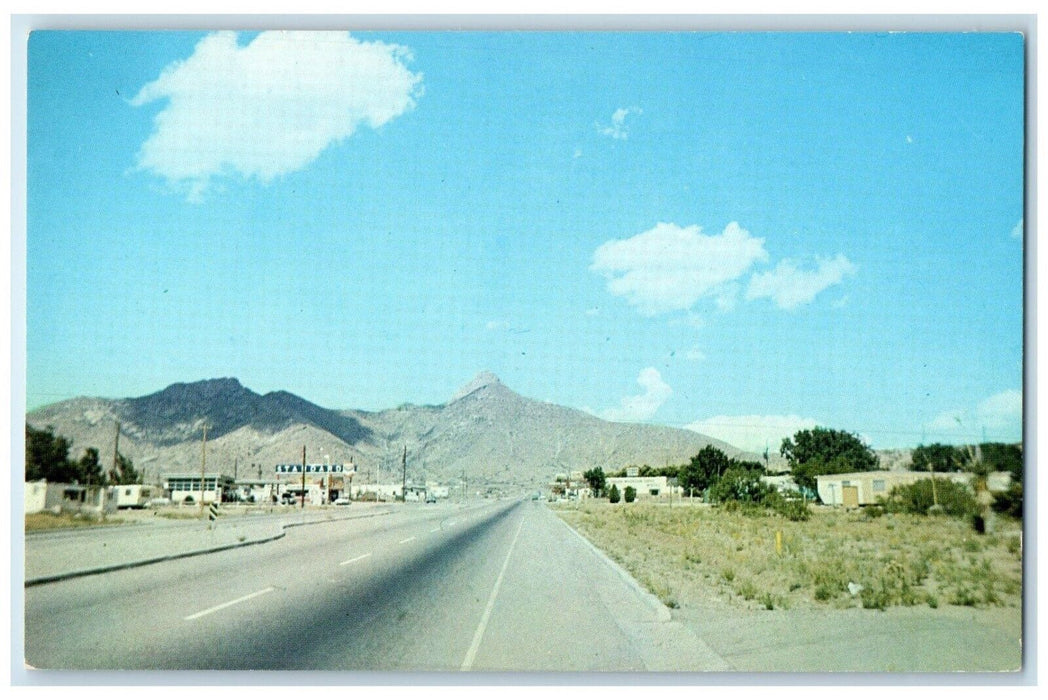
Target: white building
column 865, row 488
column 57, row 498
column 378, row 492
column 185, row 487
column 646, row 486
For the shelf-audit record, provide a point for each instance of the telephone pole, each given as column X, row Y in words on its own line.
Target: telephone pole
column 116, row 452
column 404, row 475
column 303, row 477
column 203, row 463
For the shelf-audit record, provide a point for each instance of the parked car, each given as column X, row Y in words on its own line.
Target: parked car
column 288, row 499
column 431, row 499
column 342, row 501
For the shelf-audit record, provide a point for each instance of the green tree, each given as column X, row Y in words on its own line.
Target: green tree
column 613, row 494
column 704, row 469
column 596, row 479
column 125, row 472
column 47, row 456
column 938, row 457
column 825, row 451
column 629, row 494
column 740, row 484
column 1001, row 457
column 90, row 469
column 749, row 465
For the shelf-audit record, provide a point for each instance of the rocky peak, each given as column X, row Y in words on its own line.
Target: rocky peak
column 483, row 380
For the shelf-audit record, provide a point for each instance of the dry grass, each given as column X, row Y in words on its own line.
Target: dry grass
column 702, row 556
column 50, row 521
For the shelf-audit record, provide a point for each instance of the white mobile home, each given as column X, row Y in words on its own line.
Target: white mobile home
column 135, row 495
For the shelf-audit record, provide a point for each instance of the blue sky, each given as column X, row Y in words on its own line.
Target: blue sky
column 743, row 233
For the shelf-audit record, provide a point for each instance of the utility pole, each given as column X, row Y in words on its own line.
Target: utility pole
column 303, row 477
column 203, row 462
column 116, row 451
column 404, row 475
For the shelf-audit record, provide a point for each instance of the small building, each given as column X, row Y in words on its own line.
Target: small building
column 865, row 488
column 58, row 498
column 376, row 492
column 645, row 486
column 783, row 483
column 185, row 487
column 135, row 495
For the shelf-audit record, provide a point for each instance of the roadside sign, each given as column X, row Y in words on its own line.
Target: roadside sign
column 310, row 468
column 213, row 512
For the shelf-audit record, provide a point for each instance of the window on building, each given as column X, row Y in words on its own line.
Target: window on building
column 878, row 485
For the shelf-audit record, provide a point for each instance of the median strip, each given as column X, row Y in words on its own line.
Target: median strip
column 231, row 603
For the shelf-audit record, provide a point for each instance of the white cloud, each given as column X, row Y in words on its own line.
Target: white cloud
column 752, row 433
column 695, row 355
column 642, row 407
column 1017, row 231
column 618, row 130
column 998, row 418
column 789, row 286
column 670, row 268
column 497, row 325
column 271, row 107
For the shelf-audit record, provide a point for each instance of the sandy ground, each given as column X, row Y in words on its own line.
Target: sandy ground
column 896, row 640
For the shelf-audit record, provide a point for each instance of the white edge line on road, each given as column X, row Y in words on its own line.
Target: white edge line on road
column 436, row 529
column 222, row 606
column 661, row 611
column 405, row 541
column 350, row 561
column 467, row 663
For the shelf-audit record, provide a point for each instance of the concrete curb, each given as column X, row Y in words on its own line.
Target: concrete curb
column 661, row 611
column 53, row 578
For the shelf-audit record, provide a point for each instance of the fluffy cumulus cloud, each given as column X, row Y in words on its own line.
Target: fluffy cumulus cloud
column 790, row 286
column 999, row 418
column 617, row 129
column 752, row 433
column 642, row 407
column 270, row 107
column 669, row 268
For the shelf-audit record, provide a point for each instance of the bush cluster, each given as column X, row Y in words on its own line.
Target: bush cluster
column 953, row 499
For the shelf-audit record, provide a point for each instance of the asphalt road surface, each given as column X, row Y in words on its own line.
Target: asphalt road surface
column 500, row 586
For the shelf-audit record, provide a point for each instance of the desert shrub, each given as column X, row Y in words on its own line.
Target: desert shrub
column 790, row 506
column 955, row 499
column 629, row 494
column 1010, row 502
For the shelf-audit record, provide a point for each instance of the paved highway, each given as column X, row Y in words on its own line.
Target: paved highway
column 502, row 586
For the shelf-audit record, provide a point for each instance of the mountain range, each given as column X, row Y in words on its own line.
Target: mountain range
column 486, row 432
